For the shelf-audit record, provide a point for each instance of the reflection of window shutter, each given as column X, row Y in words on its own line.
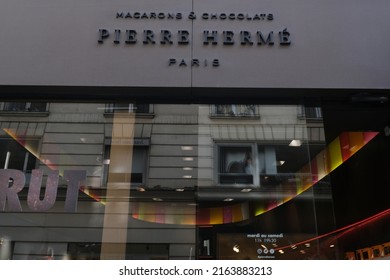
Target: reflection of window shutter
column 16, row 156
column 138, row 167
column 139, row 160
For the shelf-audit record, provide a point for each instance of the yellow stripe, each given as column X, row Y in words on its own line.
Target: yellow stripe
column 321, row 165
column 335, row 157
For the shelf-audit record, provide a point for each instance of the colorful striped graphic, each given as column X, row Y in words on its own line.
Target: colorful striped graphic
column 335, row 154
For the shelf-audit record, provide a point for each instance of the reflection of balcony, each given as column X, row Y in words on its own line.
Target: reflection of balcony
column 37, row 109
column 234, row 111
column 140, row 110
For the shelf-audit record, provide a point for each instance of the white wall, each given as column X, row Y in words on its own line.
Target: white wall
column 334, row 44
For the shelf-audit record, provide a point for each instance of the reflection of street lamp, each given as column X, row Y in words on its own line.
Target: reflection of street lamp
column 236, row 248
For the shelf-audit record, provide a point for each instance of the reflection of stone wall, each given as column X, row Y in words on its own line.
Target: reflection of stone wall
column 73, row 136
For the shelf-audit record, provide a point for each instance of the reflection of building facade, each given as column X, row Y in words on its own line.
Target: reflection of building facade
column 183, row 173
column 195, row 133
column 175, row 149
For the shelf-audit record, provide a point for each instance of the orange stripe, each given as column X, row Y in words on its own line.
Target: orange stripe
column 216, row 215
column 356, row 141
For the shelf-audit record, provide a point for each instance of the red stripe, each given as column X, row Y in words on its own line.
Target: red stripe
column 227, row 214
column 203, row 217
column 314, row 170
column 344, row 143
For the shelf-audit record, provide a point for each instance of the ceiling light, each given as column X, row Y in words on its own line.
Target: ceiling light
column 281, row 251
column 280, row 162
column 236, row 248
column 331, row 246
column 307, row 245
column 295, row 143
column 246, row 190
column 187, row 168
column 187, row 148
column 228, row 199
column 180, row 189
column 187, row 176
column 157, row 199
column 188, row 158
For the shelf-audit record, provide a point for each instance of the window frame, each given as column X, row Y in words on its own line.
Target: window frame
column 258, row 175
column 140, row 143
column 303, row 113
column 217, row 173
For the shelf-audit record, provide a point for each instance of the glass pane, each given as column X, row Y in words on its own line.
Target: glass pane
column 193, row 181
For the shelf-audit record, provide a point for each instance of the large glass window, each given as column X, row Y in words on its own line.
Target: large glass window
column 194, row 181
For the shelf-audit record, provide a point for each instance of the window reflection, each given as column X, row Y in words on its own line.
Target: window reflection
column 235, row 165
column 25, row 106
column 234, row 110
column 137, row 177
column 198, row 177
column 128, row 108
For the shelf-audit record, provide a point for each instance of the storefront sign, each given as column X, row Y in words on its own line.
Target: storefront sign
column 183, row 37
column 12, row 182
